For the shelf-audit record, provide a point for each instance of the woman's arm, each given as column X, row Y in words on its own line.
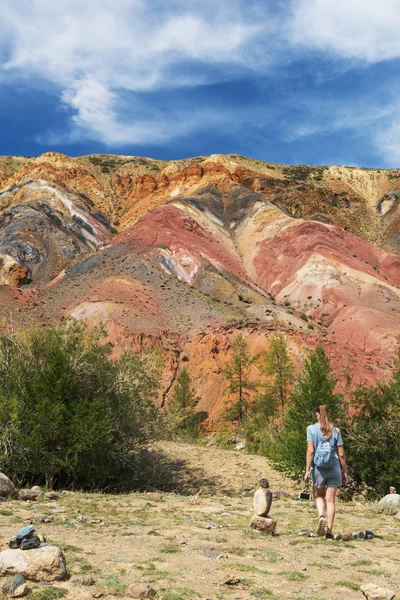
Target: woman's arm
column 309, row 458
column 343, row 464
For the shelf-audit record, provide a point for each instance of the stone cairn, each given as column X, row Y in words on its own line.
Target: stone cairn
column 262, row 505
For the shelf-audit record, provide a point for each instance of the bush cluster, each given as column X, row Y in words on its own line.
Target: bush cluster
column 69, row 414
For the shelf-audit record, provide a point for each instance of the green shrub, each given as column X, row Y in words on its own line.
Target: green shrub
column 373, row 429
column 70, row 415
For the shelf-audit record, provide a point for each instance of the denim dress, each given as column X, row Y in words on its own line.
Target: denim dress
column 331, row 476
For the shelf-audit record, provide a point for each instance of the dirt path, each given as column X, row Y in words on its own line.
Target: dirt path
column 186, row 545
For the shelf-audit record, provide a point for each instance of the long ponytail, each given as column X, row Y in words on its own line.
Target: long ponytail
column 325, row 425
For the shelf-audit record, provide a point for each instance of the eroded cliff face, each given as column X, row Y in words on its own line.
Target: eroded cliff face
column 185, row 254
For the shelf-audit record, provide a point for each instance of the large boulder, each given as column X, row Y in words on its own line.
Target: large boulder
column 376, row 592
column 46, row 563
column 6, row 486
column 392, row 499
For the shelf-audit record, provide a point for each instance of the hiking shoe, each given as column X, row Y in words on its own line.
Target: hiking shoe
column 329, row 536
column 322, row 525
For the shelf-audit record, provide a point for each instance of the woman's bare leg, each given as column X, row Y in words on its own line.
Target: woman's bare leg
column 330, row 506
column 320, row 500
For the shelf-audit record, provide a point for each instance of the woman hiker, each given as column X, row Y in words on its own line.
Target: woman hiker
column 326, row 465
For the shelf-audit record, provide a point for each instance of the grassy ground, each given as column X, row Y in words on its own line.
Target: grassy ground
column 186, row 545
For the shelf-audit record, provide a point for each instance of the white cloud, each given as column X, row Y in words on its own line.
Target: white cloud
column 96, row 51
column 365, row 30
column 374, row 122
column 106, row 57
column 97, row 117
column 388, row 140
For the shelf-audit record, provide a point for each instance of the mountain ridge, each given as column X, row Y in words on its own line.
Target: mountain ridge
column 188, row 253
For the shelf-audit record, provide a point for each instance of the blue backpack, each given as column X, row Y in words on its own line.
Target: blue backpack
column 325, row 453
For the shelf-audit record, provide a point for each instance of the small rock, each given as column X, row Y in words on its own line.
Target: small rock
column 211, row 554
column 229, row 580
column 14, row 543
column 361, row 535
column 25, row 532
column 369, row 534
column 262, row 501
column 140, row 590
column 15, row 587
column 347, row 536
column 263, row 524
column 338, row 536
column 398, row 516
column 278, row 494
column 153, row 532
column 44, row 519
column 37, row 489
column 6, row 486
column 28, row 495
column 375, row 592
column 81, row 519
column 59, row 511
column 68, row 493
column 86, row 580
column 392, row 499
column 30, row 543
column 240, row 446
column 51, row 496
column 392, row 490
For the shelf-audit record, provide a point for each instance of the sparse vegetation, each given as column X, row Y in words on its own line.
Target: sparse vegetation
column 109, row 164
column 304, row 173
column 48, row 593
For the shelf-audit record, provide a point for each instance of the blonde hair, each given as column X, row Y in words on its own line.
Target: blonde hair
column 325, row 425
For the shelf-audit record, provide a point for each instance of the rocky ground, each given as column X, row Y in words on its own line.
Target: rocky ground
column 195, row 542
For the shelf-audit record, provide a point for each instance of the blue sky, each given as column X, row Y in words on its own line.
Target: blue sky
column 287, row 81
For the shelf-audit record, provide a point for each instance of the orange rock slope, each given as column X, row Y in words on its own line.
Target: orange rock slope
column 185, row 254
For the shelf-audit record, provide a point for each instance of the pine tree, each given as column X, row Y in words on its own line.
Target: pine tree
column 279, row 367
column 315, row 386
column 182, row 408
column 237, row 372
